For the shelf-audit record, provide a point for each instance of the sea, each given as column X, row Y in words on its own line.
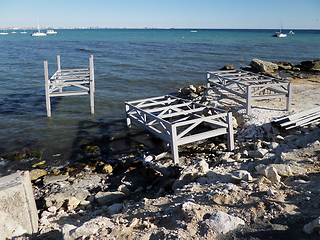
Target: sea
column 129, row 64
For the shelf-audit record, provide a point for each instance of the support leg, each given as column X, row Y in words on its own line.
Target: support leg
column 248, row 102
column 46, row 78
column 174, row 145
column 128, row 119
column 289, row 97
column 230, row 132
column 91, row 84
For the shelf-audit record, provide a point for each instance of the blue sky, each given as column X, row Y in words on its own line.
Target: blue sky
column 252, row 14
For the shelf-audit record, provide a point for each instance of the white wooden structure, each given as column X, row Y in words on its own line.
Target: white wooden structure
column 177, row 121
column 69, row 82
column 250, row 86
column 299, row 119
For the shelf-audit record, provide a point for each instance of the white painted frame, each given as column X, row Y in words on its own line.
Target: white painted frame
column 172, row 119
column 62, row 80
column 250, row 86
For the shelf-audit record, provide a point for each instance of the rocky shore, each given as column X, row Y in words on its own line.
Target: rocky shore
column 267, row 188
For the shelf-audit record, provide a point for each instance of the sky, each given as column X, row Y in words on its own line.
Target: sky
column 229, row 14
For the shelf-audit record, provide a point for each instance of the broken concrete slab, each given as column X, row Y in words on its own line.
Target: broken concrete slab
column 18, row 206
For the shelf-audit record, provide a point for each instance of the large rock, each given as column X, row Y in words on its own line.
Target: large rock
column 37, row 173
column 58, row 199
column 263, row 66
column 109, row 198
column 309, row 65
column 222, row 222
column 71, row 232
column 18, row 212
column 197, row 169
column 312, row 226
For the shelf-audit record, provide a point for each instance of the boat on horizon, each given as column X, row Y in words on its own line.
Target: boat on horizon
column 291, row 32
column 38, row 34
column 51, row 32
column 3, row 33
column 279, row 34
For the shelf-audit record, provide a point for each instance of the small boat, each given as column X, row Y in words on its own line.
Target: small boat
column 24, row 31
column 51, row 32
column 291, row 32
column 38, row 34
column 3, row 33
column 13, row 32
column 279, row 34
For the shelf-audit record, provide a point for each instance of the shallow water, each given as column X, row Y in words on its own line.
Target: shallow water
column 129, row 65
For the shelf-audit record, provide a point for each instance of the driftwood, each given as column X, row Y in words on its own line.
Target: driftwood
column 299, row 119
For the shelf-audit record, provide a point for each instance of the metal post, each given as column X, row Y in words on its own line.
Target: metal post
column 208, row 77
column 248, row 103
column 174, row 145
column 46, row 78
column 230, row 132
column 127, row 115
column 91, row 84
column 289, row 97
column 58, row 63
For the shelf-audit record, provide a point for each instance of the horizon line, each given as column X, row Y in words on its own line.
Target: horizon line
column 160, row 28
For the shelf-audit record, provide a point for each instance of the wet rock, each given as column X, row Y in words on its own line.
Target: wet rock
column 123, row 188
column 222, row 222
column 309, row 65
column 37, row 173
column 312, row 226
column 263, row 66
column 227, row 67
column 108, row 198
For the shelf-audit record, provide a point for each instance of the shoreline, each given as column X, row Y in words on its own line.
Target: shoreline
column 268, row 183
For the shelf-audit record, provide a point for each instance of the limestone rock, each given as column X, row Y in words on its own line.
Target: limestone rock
column 190, row 210
column 72, row 203
column 58, row 199
column 242, row 175
column 107, row 168
column 71, row 232
column 227, row 67
column 259, row 153
column 272, row 175
column 115, row 208
column 222, row 222
column 54, row 178
column 108, row 198
column 263, row 66
column 198, row 169
column 269, row 172
column 37, row 173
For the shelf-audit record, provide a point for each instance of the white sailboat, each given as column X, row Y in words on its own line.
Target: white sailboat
column 38, row 34
column 279, row 34
column 3, row 33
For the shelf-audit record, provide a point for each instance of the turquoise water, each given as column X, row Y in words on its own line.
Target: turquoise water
column 129, row 64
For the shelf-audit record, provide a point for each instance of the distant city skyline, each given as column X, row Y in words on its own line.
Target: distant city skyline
column 200, row 14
